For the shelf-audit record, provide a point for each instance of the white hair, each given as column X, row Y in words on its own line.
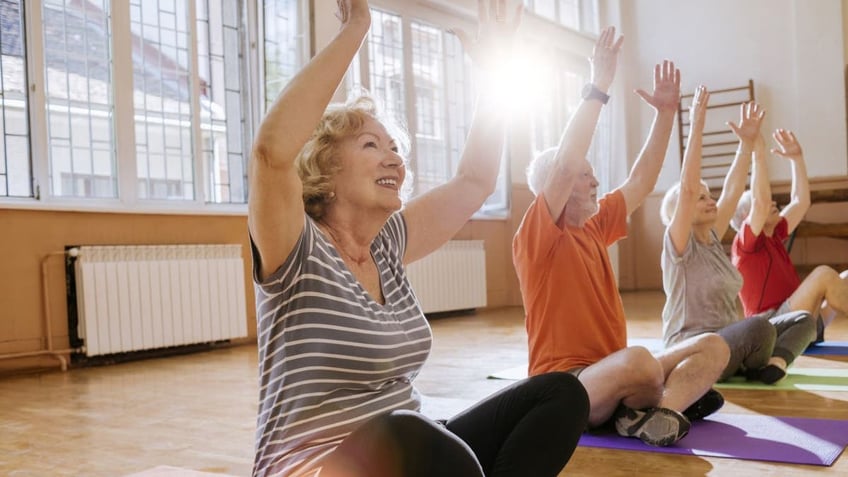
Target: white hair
column 669, row 202
column 539, row 169
column 743, row 208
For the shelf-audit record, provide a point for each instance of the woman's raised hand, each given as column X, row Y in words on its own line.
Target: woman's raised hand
column 353, row 12
column 698, row 109
column 751, row 118
column 788, row 145
column 666, row 95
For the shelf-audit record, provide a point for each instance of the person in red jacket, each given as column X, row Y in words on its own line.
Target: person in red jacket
column 771, row 284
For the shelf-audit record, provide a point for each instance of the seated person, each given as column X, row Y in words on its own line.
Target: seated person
column 341, row 335
column 771, row 284
column 699, row 281
column 575, row 319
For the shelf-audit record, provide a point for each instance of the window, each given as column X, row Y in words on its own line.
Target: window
column 162, row 97
column 283, row 44
column 136, row 101
column 580, row 15
column 78, row 92
column 15, row 170
column 222, row 103
column 423, row 80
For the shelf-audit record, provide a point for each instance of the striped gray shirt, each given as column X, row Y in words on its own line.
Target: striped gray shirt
column 330, row 356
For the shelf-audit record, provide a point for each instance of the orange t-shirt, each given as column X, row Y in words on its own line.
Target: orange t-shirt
column 574, row 311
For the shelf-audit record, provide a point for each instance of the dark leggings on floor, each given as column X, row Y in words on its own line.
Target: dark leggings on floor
column 530, row 428
column 755, row 339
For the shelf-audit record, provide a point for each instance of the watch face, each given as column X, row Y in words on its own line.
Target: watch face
column 587, row 91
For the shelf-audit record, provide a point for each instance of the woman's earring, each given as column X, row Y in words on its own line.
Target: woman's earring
column 331, row 195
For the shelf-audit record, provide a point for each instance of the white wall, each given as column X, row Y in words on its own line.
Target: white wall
column 792, row 49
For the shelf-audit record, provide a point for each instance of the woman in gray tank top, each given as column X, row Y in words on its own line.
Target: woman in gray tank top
column 700, row 282
column 340, row 332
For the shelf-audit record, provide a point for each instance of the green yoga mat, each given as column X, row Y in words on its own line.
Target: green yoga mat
column 798, row 379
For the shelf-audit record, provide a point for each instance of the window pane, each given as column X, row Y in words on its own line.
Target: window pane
column 432, row 164
column 15, row 165
column 546, row 8
column 78, row 65
column 569, row 13
column 162, row 99
column 221, row 111
column 283, row 45
column 589, row 16
column 460, row 98
column 385, row 62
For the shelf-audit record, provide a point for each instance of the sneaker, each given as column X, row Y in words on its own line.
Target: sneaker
column 707, row 404
column 656, row 426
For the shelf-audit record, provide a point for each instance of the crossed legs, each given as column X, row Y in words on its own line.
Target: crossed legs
column 673, row 379
column 824, row 290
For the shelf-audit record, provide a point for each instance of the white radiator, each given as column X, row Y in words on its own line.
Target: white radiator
column 451, row 278
column 132, row 298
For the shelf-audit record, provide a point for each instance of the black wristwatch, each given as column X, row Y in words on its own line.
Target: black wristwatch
column 591, row 92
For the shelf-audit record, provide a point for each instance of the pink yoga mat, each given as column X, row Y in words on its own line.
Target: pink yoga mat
column 748, row 436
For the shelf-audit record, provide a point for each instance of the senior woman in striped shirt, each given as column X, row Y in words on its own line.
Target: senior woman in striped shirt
column 341, row 334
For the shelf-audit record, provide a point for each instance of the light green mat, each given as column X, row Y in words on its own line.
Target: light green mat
column 798, row 379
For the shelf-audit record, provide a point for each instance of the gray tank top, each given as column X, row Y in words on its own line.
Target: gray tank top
column 701, row 287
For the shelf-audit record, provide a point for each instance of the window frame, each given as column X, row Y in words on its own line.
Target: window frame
column 251, row 35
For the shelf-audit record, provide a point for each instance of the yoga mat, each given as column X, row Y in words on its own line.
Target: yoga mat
column 798, row 379
column 825, row 348
column 747, row 436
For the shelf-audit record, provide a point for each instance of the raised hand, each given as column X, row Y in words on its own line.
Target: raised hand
column 751, row 118
column 666, row 95
column 788, row 145
column 605, row 58
column 353, row 11
column 492, row 46
column 698, row 109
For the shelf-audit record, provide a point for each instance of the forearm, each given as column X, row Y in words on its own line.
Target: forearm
column 577, row 138
column 649, row 163
column 293, row 115
column 690, row 173
column 800, row 183
column 734, row 183
column 760, row 192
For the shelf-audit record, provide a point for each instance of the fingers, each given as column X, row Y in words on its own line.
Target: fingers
column 617, row 46
column 658, row 75
column 644, row 95
column 733, row 127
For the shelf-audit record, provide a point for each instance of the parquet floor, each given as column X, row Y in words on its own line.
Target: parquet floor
column 197, row 411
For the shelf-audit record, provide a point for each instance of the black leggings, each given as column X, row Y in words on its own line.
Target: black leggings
column 528, row 428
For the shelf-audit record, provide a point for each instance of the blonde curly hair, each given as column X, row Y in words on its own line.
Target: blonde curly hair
column 318, row 162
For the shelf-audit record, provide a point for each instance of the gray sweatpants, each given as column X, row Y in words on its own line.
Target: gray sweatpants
column 754, row 340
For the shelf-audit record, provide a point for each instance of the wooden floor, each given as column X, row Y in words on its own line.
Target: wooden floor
column 197, row 411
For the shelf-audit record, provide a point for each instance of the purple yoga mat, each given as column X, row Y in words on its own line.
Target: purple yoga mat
column 748, row 436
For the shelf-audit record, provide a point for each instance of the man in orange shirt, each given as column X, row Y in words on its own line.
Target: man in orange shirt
column 575, row 319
